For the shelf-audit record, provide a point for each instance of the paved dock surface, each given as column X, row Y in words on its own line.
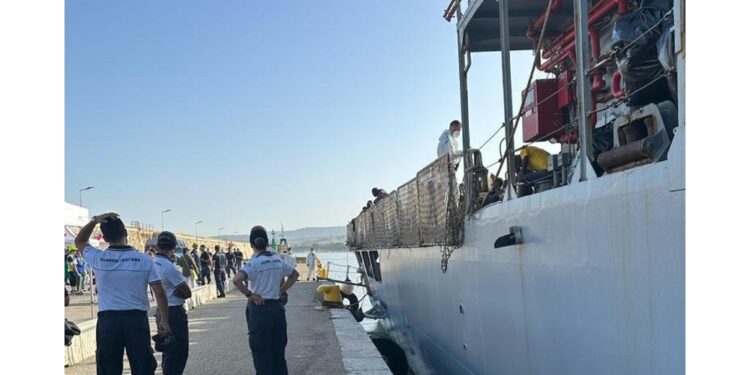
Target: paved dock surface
column 219, row 342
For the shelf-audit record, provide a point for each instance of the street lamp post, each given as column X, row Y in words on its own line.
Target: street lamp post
column 162, row 217
column 80, row 195
column 196, row 227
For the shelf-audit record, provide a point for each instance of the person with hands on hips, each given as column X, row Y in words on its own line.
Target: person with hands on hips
column 265, row 313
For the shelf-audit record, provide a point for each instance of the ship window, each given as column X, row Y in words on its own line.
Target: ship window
column 375, row 263
column 367, row 264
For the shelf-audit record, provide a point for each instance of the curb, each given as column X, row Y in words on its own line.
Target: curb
column 359, row 354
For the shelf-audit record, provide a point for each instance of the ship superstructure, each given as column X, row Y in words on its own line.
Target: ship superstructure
column 569, row 262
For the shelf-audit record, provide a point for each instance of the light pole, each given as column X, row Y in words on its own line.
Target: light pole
column 218, row 232
column 196, row 227
column 80, row 196
column 162, row 217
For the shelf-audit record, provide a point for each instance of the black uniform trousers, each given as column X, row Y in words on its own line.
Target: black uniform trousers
column 173, row 361
column 205, row 275
column 231, row 270
column 266, row 326
column 125, row 330
column 221, row 281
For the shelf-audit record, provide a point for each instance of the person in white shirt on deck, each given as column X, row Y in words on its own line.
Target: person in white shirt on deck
column 448, row 142
column 175, row 358
column 265, row 314
column 123, row 275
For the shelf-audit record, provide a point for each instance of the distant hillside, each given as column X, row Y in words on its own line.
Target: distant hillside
column 324, row 238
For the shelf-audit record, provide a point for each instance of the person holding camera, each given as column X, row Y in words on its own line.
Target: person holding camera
column 175, row 357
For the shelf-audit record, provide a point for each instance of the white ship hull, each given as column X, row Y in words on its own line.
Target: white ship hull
column 597, row 287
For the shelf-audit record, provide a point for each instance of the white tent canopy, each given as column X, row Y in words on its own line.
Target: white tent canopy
column 76, row 215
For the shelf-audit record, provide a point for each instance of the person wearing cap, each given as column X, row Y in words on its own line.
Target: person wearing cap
column 265, row 313
column 187, row 265
column 175, row 285
column 123, row 274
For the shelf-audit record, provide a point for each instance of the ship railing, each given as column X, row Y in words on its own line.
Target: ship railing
column 424, row 211
column 346, row 267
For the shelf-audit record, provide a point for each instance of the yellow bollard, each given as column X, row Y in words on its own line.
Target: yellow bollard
column 331, row 295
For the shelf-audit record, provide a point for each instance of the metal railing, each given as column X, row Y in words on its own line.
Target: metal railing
column 142, row 226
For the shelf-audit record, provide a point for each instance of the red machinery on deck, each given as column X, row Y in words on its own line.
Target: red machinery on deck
column 542, row 115
column 546, row 112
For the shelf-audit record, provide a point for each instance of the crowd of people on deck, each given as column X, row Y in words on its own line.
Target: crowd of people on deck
column 124, row 275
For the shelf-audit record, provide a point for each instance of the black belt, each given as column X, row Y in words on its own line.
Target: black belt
column 112, row 313
column 267, row 302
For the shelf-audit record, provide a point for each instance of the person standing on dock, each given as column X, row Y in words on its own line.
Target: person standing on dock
column 239, row 258
column 175, row 358
column 187, row 265
column 73, row 276
column 311, row 262
column 123, row 274
column 448, row 142
column 290, row 258
column 82, row 267
column 220, row 271
column 265, row 313
column 205, row 266
column 197, row 260
column 231, row 263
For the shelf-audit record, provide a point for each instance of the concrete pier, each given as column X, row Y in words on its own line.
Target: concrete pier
column 321, row 341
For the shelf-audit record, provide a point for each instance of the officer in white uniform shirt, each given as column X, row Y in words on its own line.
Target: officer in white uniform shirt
column 265, row 314
column 174, row 359
column 288, row 257
column 122, row 277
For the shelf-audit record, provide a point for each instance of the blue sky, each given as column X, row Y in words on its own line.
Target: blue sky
column 240, row 113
